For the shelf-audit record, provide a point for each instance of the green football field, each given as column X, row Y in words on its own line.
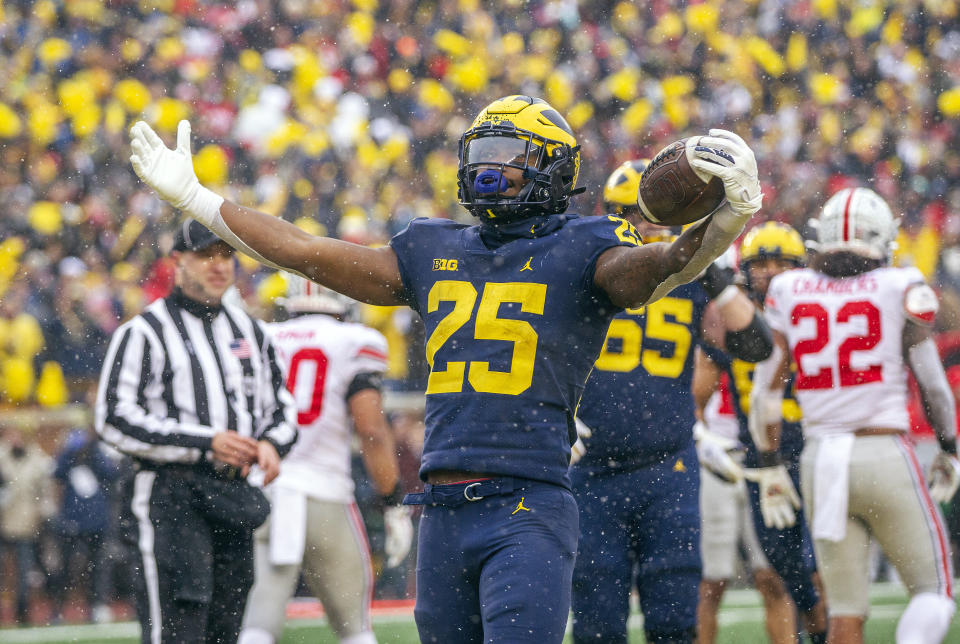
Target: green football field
column 741, row 621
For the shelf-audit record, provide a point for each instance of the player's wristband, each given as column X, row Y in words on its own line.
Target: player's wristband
column 752, row 343
column 768, row 459
column 394, row 498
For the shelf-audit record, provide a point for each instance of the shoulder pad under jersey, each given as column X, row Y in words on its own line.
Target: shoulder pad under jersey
column 920, row 303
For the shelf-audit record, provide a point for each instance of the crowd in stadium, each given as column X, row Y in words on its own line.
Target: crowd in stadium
column 300, row 108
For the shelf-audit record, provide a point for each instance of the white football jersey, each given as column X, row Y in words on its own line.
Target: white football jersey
column 846, row 338
column 322, row 357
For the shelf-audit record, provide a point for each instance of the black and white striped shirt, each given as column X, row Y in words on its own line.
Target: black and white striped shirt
column 180, row 372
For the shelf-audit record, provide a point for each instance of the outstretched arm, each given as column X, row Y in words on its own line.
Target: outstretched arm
column 365, row 274
column 635, row 276
column 368, row 275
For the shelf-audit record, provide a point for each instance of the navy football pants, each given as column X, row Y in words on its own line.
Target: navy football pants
column 790, row 551
column 498, row 569
column 638, row 528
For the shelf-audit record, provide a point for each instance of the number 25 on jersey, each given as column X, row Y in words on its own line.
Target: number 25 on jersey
column 487, row 326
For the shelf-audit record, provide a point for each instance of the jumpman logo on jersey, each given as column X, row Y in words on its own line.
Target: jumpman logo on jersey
column 526, row 266
column 679, row 466
column 520, row 507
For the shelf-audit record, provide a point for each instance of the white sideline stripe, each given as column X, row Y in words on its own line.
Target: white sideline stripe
column 739, row 606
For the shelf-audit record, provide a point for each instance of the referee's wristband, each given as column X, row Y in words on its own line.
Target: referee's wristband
column 395, row 497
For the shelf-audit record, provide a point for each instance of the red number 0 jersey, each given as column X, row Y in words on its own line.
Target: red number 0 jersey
column 322, row 357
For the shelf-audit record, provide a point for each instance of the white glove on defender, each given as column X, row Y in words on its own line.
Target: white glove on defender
column 724, row 154
column 944, row 477
column 714, row 453
column 579, row 448
column 399, row 529
column 170, row 172
column 779, row 500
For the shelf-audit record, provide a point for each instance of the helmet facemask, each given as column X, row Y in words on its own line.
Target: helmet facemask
column 507, row 173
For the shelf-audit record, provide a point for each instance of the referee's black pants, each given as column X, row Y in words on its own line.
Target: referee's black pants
column 192, row 574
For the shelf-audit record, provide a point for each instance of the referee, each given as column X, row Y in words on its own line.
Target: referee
column 192, row 391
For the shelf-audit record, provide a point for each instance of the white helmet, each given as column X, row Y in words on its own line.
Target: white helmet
column 304, row 296
column 857, row 220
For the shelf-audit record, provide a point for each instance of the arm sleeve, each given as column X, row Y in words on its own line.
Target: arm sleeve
column 935, row 391
column 364, row 382
column 123, row 418
column 766, row 399
column 752, row 343
column 279, row 410
column 772, row 312
column 722, row 229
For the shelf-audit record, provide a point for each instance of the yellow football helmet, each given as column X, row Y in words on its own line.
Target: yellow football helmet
column 620, row 191
column 530, row 138
column 772, row 239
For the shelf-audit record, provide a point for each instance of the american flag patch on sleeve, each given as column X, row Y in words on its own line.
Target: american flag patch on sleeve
column 240, row 348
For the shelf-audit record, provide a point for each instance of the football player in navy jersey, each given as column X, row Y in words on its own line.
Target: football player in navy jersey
column 515, row 311
column 637, row 482
column 768, row 250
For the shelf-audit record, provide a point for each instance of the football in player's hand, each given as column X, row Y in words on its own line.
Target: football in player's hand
column 672, row 193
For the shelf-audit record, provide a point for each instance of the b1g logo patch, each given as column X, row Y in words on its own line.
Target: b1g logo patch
column 444, row 264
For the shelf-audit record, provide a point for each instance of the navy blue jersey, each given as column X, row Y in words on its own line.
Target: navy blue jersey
column 638, row 401
column 512, row 333
column 741, row 384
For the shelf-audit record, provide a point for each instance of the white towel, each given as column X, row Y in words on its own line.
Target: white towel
column 831, row 482
column 288, row 526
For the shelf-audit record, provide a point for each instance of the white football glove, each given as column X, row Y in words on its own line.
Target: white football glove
column 944, row 477
column 779, row 500
column 714, row 452
column 579, row 448
column 399, row 537
column 170, row 172
column 724, row 154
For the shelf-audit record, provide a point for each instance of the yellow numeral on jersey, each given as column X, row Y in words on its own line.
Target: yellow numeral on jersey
column 667, row 364
column 463, row 295
column 625, row 231
column 628, row 358
column 743, row 384
column 530, row 296
column 676, row 331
